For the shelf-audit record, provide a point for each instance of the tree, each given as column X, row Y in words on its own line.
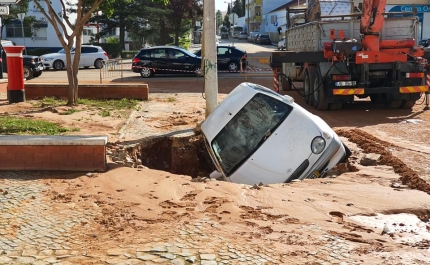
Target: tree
column 83, row 9
column 21, row 7
column 183, row 10
column 218, row 18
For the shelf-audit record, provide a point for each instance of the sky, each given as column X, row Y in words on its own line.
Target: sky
column 221, row 5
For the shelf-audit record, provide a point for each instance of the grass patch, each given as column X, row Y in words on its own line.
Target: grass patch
column 171, row 99
column 69, row 112
column 110, row 103
column 12, row 125
column 104, row 113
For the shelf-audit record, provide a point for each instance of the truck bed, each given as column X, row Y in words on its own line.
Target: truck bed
column 311, row 36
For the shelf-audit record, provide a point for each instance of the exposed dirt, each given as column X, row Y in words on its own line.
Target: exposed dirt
column 140, row 204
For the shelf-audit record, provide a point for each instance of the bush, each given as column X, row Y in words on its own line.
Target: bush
column 40, row 51
column 112, row 49
column 128, row 54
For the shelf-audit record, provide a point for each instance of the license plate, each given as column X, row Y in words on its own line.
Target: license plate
column 41, row 67
column 316, row 175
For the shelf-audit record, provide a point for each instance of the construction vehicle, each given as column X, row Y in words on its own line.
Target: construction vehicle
column 341, row 52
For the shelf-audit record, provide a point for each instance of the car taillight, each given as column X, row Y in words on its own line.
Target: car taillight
column 245, row 56
column 136, row 60
column 106, row 54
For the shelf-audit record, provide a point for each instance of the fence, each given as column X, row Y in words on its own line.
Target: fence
column 111, row 68
column 256, row 66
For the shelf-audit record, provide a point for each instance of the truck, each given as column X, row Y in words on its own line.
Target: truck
column 342, row 52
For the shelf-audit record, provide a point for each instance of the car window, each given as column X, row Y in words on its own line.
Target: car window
column 159, row 53
column 89, row 50
column 248, row 130
column 62, row 50
column 176, row 54
column 144, row 54
column 223, row 51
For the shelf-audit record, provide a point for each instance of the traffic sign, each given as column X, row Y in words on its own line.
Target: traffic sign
column 233, row 18
column 4, row 10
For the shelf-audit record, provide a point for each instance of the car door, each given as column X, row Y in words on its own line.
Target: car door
column 223, row 57
column 180, row 62
column 88, row 56
column 160, row 61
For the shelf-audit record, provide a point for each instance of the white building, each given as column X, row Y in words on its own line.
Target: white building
column 43, row 34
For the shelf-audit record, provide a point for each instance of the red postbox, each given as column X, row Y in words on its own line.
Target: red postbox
column 15, row 74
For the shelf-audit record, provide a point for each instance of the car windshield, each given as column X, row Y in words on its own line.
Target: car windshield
column 248, row 130
column 61, row 51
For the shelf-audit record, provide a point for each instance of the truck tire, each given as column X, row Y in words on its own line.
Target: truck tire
column 307, row 87
column 317, row 85
column 407, row 104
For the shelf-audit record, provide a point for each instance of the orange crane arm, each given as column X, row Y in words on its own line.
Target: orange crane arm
column 372, row 20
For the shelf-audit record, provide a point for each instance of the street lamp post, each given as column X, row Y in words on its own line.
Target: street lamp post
column 21, row 17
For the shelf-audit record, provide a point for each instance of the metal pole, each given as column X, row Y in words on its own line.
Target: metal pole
column 23, row 37
column 249, row 30
column 210, row 56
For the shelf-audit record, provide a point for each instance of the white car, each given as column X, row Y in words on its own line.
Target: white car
column 257, row 135
column 90, row 56
column 281, row 44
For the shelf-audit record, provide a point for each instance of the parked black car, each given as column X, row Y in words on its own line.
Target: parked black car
column 33, row 65
column 165, row 60
column 264, row 39
column 229, row 58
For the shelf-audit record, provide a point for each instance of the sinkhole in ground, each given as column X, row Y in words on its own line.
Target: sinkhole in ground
column 178, row 154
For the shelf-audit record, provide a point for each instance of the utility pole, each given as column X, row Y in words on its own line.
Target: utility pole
column 210, row 56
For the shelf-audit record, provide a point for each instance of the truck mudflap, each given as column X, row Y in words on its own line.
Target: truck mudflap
column 362, row 91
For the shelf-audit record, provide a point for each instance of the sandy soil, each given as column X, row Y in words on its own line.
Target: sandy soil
column 361, row 205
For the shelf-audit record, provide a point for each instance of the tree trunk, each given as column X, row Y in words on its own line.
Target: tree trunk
column 122, row 32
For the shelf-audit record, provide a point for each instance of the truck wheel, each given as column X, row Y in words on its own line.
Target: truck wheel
column 393, row 104
column 408, row 104
column 28, row 72
column 318, row 91
column 334, row 106
column 307, row 87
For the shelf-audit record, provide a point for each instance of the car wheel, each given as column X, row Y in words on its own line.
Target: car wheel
column 28, row 72
column 278, row 48
column 146, row 72
column 233, row 66
column 37, row 74
column 58, row 65
column 99, row 63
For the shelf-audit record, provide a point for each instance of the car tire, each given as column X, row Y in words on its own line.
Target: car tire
column 146, row 72
column 58, row 65
column 37, row 74
column 99, row 63
column 307, row 87
column 28, row 72
column 233, row 66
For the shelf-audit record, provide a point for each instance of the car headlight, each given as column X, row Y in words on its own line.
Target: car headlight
column 48, row 59
column 318, row 145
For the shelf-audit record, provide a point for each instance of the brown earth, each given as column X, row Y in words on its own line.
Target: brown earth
column 140, row 204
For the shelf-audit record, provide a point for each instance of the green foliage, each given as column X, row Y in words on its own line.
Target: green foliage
column 121, row 104
column 128, row 54
column 39, row 51
column 111, row 40
column 12, row 125
column 70, row 111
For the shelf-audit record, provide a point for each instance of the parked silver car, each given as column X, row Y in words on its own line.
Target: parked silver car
column 243, row 35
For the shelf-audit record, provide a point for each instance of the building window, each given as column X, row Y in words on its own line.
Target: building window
column 88, row 32
column 40, row 34
column 15, row 31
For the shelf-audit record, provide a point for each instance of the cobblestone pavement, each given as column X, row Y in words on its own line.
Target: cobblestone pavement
column 34, row 231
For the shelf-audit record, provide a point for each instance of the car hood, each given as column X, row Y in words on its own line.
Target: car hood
column 53, row 55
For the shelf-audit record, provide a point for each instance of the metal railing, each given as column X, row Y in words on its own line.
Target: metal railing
column 111, row 68
column 256, row 66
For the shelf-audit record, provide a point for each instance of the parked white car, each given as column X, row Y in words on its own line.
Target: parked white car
column 281, row 44
column 257, row 135
column 90, row 56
